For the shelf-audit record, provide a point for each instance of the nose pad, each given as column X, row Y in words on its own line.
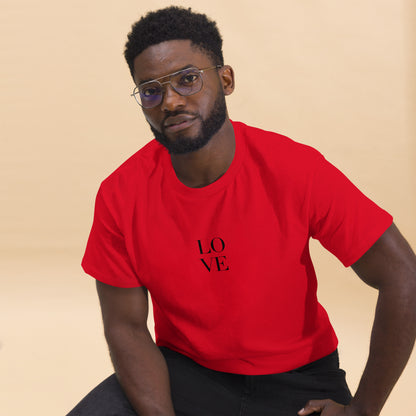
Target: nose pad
column 171, row 99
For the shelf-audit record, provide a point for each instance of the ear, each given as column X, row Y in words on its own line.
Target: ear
column 226, row 74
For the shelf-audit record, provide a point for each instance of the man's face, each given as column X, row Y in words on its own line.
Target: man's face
column 182, row 124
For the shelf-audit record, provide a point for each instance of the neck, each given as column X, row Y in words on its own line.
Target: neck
column 204, row 166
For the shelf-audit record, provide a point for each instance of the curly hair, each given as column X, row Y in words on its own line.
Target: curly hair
column 172, row 23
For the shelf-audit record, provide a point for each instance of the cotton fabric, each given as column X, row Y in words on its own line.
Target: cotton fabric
column 228, row 265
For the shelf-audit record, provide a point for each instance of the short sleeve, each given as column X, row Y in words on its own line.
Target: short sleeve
column 106, row 257
column 342, row 218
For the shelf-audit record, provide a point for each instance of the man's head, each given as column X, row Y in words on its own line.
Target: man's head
column 184, row 111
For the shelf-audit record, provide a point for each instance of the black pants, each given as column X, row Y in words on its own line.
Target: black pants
column 199, row 391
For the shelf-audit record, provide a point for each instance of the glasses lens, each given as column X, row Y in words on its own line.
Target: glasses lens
column 187, row 82
column 150, row 94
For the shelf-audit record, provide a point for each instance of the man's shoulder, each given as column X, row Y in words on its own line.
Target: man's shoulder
column 276, row 146
column 137, row 167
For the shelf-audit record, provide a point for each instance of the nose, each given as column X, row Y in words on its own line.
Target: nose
column 171, row 100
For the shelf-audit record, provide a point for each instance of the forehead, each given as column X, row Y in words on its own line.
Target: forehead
column 167, row 57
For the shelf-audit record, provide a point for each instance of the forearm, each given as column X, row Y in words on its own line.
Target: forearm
column 389, row 266
column 392, row 340
column 142, row 372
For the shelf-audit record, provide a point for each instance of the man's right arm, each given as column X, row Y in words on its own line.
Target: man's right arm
column 139, row 365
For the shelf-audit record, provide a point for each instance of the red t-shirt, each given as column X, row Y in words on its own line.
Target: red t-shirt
column 228, row 265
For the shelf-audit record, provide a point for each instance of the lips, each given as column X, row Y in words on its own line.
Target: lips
column 179, row 122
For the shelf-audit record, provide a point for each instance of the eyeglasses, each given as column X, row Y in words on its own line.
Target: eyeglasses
column 185, row 82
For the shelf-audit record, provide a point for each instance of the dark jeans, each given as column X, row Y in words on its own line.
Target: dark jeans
column 199, row 391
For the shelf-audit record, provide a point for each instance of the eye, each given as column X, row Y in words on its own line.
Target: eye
column 150, row 91
column 189, row 79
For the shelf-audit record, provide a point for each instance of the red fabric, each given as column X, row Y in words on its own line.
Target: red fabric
column 228, row 265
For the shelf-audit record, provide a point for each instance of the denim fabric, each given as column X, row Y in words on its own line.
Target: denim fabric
column 199, row 391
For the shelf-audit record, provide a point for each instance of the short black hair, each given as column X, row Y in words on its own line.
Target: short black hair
column 173, row 23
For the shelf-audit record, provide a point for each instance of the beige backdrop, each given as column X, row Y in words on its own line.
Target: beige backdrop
column 338, row 75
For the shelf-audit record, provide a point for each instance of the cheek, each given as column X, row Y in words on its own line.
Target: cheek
column 151, row 119
column 207, row 102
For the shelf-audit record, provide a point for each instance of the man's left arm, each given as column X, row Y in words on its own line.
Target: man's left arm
column 389, row 266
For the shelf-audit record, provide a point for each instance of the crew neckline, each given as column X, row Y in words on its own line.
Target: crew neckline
column 175, row 184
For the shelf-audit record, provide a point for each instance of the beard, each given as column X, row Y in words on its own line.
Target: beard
column 182, row 144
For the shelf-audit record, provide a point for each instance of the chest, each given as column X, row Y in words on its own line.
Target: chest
column 228, row 238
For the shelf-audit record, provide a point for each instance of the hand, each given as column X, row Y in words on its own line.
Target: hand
column 327, row 408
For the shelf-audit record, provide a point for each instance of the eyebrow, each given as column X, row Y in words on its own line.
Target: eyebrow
column 164, row 76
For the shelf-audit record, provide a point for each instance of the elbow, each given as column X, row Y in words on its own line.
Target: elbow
column 124, row 333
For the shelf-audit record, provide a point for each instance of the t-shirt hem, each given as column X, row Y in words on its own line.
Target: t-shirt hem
column 269, row 364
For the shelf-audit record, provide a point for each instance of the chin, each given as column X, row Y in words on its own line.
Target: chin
column 183, row 144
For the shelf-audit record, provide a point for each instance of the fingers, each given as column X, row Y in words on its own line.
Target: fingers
column 315, row 406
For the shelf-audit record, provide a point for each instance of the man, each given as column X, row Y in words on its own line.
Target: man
column 213, row 218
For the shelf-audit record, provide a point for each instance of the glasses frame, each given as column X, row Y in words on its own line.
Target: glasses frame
column 136, row 90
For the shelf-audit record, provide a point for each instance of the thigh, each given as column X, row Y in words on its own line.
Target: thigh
column 107, row 399
column 199, row 391
column 196, row 391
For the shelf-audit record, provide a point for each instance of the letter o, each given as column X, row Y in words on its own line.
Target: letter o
column 215, row 246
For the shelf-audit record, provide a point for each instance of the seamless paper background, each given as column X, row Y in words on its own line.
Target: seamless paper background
column 337, row 75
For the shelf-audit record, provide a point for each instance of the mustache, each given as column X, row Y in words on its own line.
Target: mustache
column 178, row 113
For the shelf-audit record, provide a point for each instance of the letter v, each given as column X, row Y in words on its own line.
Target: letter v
column 210, row 264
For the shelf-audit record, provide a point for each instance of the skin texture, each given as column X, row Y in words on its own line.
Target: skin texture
column 138, row 363
column 389, row 266
column 209, row 126
column 204, row 166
